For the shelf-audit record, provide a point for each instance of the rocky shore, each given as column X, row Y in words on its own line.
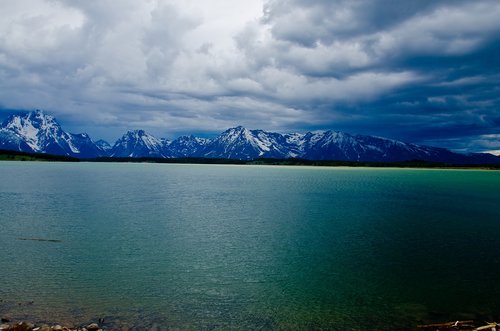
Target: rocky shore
column 9, row 325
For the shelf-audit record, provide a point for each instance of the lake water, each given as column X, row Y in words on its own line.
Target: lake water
column 248, row 247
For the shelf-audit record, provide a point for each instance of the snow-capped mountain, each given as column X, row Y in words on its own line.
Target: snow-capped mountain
column 244, row 144
column 333, row 145
column 40, row 133
column 84, row 147
column 186, row 146
column 103, row 145
column 138, row 143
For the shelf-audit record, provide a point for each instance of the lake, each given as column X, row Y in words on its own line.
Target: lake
column 248, row 247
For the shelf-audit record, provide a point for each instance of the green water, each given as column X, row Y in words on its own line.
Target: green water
column 248, row 247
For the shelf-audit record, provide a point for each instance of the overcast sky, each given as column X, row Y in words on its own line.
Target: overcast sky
column 423, row 71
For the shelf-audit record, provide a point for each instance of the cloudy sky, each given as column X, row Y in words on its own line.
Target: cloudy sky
column 423, row 71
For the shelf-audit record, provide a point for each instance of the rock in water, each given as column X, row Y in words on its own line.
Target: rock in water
column 22, row 326
column 93, row 327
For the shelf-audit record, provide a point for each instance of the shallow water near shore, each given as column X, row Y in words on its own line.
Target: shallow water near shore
column 248, row 247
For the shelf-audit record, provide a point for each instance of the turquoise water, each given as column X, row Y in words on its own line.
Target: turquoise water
column 248, row 247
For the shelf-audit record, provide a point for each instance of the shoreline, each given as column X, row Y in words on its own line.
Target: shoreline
column 8, row 324
column 12, row 325
column 409, row 164
column 404, row 321
column 23, row 316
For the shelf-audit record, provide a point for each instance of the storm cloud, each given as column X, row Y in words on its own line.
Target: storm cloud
column 420, row 71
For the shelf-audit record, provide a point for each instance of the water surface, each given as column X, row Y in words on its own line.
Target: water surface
column 246, row 247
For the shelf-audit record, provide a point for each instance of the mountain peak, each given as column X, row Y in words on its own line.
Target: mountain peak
column 38, row 132
column 103, row 145
column 138, row 143
column 236, row 130
column 139, row 133
column 135, row 134
column 36, row 118
column 38, row 112
column 39, row 115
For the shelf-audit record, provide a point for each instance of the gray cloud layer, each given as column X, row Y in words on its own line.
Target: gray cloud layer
column 421, row 71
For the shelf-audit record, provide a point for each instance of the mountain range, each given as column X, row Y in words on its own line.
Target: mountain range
column 37, row 132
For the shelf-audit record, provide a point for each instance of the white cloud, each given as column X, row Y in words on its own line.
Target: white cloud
column 494, row 152
column 447, row 30
column 286, row 85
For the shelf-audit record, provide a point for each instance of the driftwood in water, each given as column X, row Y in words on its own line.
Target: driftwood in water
column 41, row 239
column 448, row 326
column 490, row 326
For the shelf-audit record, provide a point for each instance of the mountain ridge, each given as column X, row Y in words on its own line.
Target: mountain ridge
column 37, row 132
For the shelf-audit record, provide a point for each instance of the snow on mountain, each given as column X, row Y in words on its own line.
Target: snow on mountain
column 389, row 150
column 138, row 143
column 103, row 145
column 235, row 143
column 186, row 146
column 83, row 147
column 333, row 145
column 37, row 130
column 11, row 141
column 244, row 144
column 40, row 133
